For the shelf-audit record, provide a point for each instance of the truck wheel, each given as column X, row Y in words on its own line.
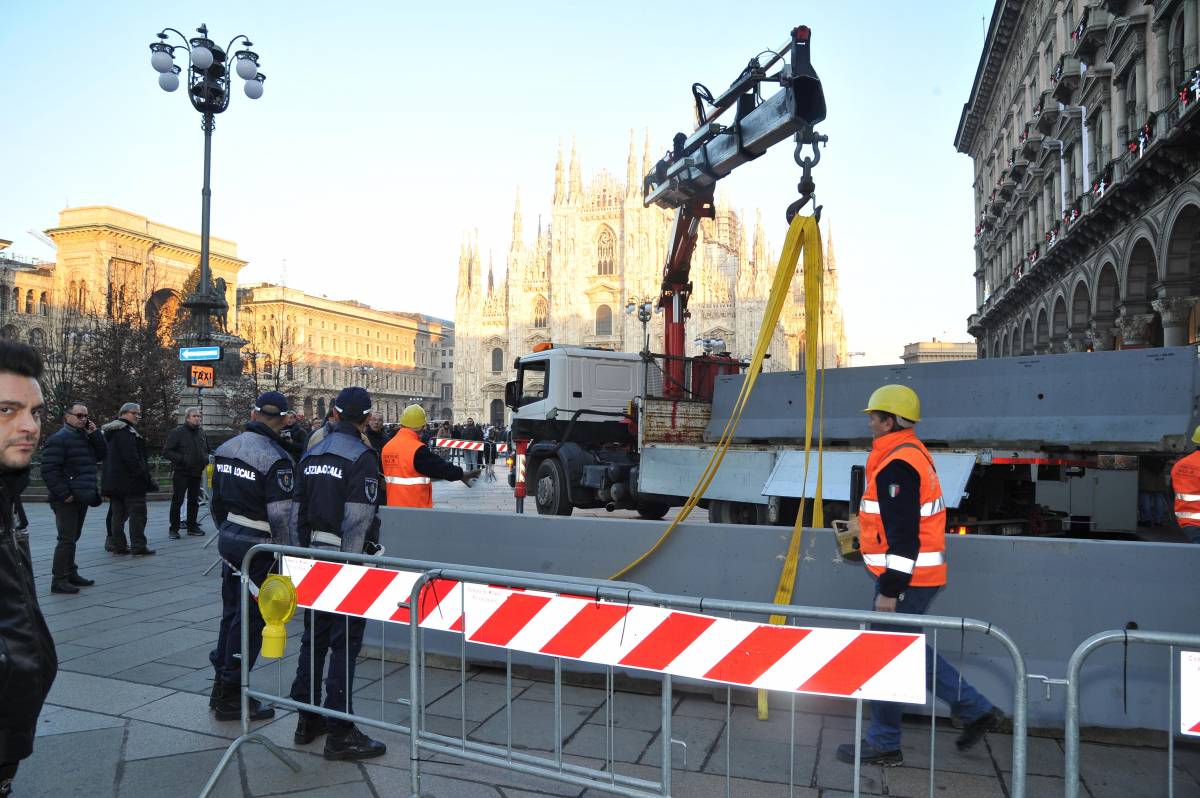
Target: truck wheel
column 728, row 512
column 550, row 489
column 652, row 511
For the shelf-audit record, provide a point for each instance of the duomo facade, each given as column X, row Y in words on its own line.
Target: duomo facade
column 601, row 250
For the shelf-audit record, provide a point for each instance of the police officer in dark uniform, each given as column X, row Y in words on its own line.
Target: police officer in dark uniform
column 338, row 495
column 252, row 485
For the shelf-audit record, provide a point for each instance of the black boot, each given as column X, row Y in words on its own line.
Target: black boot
column 229, row 705
column 348, row 742
column 79, row 581
column 309, row 727
column 214, row 697
column 63, row 587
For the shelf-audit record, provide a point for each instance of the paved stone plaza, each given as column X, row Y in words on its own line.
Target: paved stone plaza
column 128, row 715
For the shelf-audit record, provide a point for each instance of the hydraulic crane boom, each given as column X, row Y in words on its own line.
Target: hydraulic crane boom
column 686, row 177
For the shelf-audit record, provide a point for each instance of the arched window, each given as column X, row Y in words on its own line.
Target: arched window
column 604, row 320
column 9, row 332
column 604, row 252
column 72, row 292
column 267, row 364
column 3, row 301
column 44, row 304
column 29, row 302
column 540, row 313
column 37, row 338
column 321, row 407
column 82, row 300
column 497, row 360
column 16, row 300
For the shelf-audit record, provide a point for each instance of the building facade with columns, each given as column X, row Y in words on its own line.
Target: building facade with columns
column 106, row 255
column 318, row 346
column 1084, row 131
column 601, row 250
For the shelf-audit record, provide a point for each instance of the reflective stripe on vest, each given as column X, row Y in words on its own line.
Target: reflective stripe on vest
column 927, row 509
column 406, row 487
column 929, row 567
column 1185, row 479
column 408, row 480
column 898, row 563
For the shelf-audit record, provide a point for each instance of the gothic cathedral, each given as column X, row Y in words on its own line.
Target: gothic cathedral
column 601, row 250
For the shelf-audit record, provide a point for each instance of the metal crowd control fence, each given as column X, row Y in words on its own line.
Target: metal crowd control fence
column 431, row 584
column 1074, row 667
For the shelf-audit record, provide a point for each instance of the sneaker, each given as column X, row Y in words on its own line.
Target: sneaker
column 63, row 587
column 142, row 552
column 196, row 533
column 173, row 534
column 309, row 727
column 350, row 743
column 977, row 729
column 870, row 755
column 79, row 581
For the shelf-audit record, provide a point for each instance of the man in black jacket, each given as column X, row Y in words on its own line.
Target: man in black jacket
column 187, row 449
column 69, row 460
column 29, row 663
column 127, row 480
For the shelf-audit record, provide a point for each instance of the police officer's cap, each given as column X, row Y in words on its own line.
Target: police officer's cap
column 272, row 399
column 353, row 403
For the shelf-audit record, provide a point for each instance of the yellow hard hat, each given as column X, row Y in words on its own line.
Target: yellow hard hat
column 897, row 399
column 1196, row 435
column 413, row 417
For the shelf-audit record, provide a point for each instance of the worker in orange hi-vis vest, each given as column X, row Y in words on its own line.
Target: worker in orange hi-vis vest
column 1185, row 481
column 409, row 468
column 902, row 533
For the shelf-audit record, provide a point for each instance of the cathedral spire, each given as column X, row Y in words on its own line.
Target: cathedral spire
column 517, row 227
column 576, row 193
column 631, row 176
column 491, row 273
column 559, row 187
column 646, row 163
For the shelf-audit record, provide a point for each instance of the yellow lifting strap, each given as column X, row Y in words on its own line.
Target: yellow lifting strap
column 803, row 234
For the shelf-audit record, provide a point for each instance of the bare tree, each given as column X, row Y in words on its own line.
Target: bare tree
column 270, row 361
column 128, row 357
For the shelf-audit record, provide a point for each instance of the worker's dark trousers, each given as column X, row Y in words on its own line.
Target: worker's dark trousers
column 226, row 657
column 966, row 703
column 340, row 638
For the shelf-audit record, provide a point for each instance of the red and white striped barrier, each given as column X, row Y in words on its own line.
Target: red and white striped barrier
column 885, row 666
column 1189, row 693
column 468, row 446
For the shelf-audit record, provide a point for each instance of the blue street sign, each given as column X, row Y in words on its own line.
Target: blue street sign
column 191, row 354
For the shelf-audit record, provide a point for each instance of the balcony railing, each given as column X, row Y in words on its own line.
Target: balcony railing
column 1065, row 78
column 1091, row 33
column 1046, row 114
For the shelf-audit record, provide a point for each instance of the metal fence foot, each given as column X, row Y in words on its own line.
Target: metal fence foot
column 232, row 749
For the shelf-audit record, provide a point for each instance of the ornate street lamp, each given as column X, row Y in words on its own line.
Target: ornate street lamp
column 363, row 370
column 209, row 69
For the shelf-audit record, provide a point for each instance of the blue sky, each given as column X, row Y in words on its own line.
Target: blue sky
column 388, row 129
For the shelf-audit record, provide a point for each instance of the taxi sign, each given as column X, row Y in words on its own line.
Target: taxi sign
column 191, row 354
column 199, row 376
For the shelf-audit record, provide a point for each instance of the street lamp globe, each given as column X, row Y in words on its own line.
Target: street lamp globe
column 202, row 57
column 169, row 81
column 161, row 59
column 254, row 88
column 247, row 67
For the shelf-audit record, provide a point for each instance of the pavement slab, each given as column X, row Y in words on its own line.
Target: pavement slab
column 100, row 694
column 83, row 764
